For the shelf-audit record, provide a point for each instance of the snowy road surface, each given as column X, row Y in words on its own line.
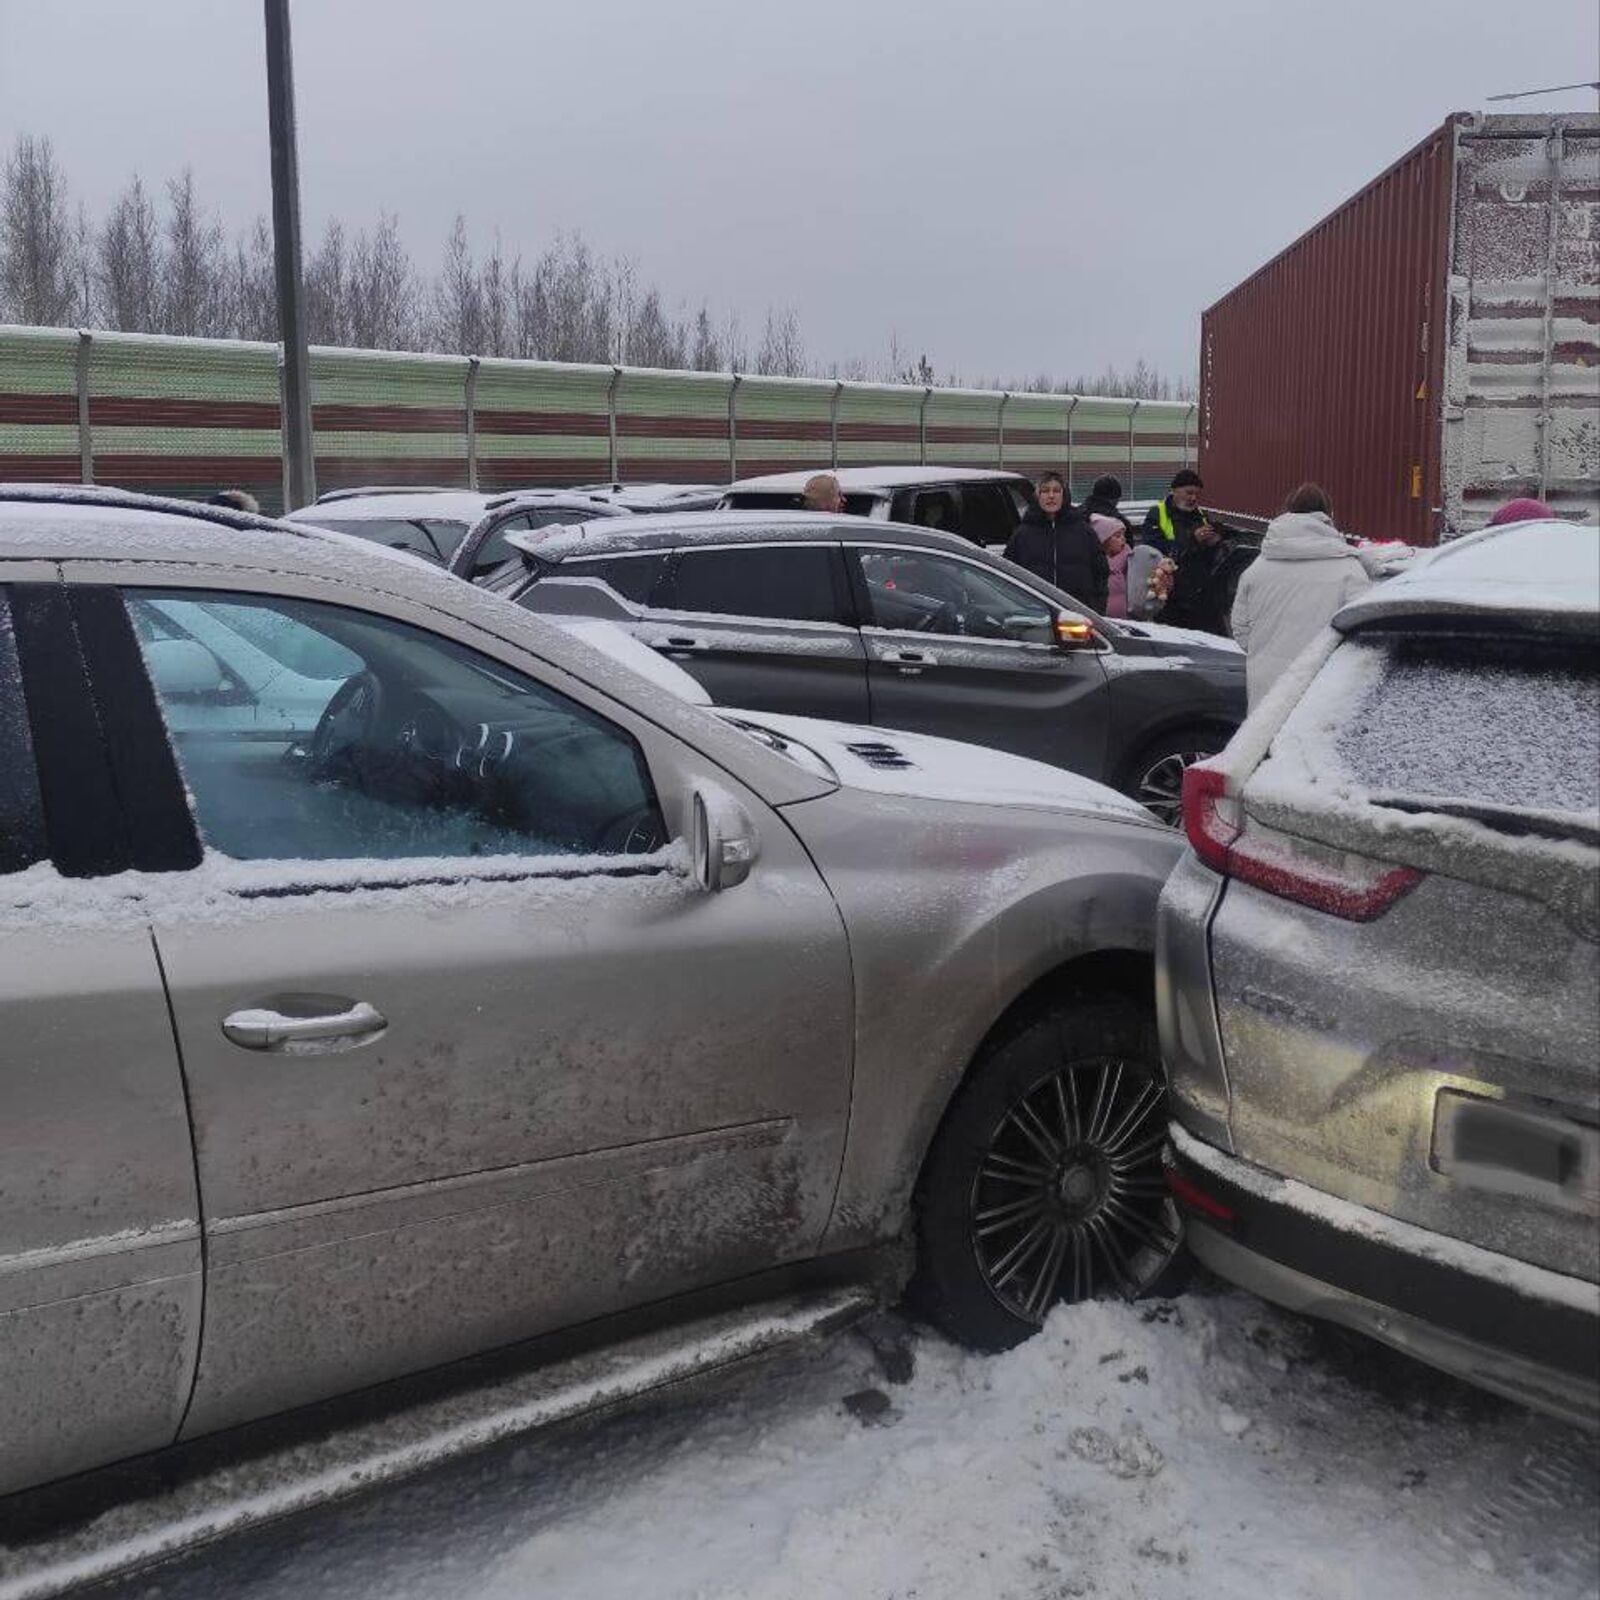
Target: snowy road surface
column 1209, row 1446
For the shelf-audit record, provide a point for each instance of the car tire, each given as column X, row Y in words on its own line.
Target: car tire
column 1154, row 777
column 1045, row 1181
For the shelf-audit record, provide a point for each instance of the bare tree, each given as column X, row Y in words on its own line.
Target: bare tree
column 253, row 292
column 383, row 289
column 567, row 310
column 194, row 265
column 706, row 351
column 652, row 341
column 127, row 266
column 457, row 323
column 327, row 290
column 782, row 353
column 496, row 310
column 38, row 267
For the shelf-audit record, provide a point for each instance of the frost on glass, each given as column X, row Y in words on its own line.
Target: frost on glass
column 21, row 820
column 1499, row 723
column 312, row 732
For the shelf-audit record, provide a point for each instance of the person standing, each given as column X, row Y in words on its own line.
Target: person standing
column 1305, row 573
column 1105, row 493
column 1055, row 542
column 1201, row 593
column 1113, row 537
column 1172, row 523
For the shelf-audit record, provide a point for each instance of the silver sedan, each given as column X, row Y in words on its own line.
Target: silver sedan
column 387, row 975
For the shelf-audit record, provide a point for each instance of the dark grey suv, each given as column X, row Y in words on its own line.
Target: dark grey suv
column 874, row 622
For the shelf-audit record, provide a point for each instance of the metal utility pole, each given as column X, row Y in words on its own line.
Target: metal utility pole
column 300, row 476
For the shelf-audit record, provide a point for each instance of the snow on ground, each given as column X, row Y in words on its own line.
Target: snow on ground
column 1210, row 1446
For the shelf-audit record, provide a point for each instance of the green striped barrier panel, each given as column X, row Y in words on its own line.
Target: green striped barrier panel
column 189, row 416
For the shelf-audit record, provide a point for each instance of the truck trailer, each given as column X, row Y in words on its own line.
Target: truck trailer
column 1429, row 350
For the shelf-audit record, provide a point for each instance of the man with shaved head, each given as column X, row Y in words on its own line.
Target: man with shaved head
column 821, row 493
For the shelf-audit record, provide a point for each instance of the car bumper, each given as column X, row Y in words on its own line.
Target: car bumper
column 1541, row 1350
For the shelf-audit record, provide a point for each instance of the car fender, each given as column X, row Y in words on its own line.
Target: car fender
column 955, row 911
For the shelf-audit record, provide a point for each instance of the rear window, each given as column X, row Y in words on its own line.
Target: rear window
column 855, row 505
column 429, row 537
column 791, row 583
column 1506, row 723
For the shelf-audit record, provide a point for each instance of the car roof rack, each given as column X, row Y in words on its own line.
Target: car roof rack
column 391, row 488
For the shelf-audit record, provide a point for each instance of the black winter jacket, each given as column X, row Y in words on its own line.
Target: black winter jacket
column 1183, row 525
column 1065, row 552
column 1093, row 507
column 1204, row 585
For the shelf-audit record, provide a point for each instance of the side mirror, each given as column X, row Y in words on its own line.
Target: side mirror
column 723, row 840
column 184, row 667
column 1073, row 632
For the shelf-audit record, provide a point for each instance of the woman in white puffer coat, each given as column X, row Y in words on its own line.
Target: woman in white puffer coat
column 1288, row 595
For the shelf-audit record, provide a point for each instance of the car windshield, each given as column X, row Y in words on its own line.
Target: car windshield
column 1498, row 723
column 434, row 538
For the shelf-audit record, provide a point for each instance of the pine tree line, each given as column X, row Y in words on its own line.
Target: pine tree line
column 161, row 262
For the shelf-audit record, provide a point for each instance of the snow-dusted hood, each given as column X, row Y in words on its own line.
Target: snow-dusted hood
column 1304, row 536
column 886, row 761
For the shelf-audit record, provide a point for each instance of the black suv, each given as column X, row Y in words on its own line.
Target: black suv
column 871, row 622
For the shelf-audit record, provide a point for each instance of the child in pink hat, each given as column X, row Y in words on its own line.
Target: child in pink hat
column 1113, row 537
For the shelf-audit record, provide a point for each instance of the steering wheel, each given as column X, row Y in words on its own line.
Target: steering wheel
column 635, row 832
column 348, row 723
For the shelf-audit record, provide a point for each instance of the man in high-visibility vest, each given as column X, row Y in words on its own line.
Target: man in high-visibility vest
column 1170, row 524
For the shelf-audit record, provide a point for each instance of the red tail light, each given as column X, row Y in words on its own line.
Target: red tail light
column 1338, row 882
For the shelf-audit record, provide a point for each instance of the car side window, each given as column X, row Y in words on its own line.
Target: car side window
column 936, row 508
column 415, row 746
column 787, row 582
column 922, row 592
column 988, row 514
column 22, row 837
column 635, row 578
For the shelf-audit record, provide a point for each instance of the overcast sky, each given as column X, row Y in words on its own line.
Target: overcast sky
column 1010, row 185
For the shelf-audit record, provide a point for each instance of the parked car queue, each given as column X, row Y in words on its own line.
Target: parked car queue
column 319, row 869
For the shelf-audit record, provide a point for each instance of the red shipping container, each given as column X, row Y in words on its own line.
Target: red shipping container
column 1428, row 350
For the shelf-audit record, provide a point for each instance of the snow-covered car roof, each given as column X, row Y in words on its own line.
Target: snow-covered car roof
column 752, row 525
column 448, row 505
column 1543, row 576
column 863, row 480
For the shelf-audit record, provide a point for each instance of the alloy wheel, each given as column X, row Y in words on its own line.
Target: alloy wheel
column 1070, row 1200
column 1160, row 787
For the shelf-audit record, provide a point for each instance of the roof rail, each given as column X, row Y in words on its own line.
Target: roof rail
column 391, row 488
column 93, row 494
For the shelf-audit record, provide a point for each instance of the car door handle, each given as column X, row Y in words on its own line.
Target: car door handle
column 911, row 662
column 679, row 641
column 259, row 1028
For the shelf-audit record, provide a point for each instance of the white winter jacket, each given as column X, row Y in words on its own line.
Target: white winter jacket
column 1288, row 595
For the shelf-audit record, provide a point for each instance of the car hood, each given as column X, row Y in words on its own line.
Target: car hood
column 1164, row 640
column 918, row 766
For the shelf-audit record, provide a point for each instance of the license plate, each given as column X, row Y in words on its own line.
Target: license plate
column 1515, row 1147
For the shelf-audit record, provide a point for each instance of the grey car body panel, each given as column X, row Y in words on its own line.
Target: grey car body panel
column 585, row 1097
column 99, row 1226
column 1338, row 1083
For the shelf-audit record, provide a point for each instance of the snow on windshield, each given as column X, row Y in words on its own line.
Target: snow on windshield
column 1501, row 723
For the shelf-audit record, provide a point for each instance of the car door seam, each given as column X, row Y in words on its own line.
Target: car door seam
column 199, row 1192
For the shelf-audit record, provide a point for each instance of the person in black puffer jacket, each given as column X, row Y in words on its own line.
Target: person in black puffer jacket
column 1055, row 541
column 1105, row 495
